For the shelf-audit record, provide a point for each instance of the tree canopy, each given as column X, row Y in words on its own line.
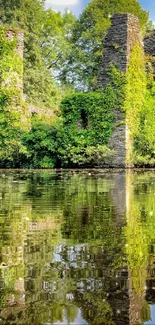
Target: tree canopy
column 88, row 35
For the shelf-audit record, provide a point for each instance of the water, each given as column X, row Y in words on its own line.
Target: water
column 77, row 247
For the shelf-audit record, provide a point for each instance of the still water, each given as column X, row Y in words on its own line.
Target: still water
column 77, row 247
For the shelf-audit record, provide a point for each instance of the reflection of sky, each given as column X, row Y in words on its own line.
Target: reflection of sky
column 78, row 320
column 152, row 322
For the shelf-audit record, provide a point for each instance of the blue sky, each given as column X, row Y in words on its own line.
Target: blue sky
column 76, row 6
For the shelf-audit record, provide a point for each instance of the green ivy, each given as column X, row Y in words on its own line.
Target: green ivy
column 140, row 110
column 11, row 106
column 87, row 125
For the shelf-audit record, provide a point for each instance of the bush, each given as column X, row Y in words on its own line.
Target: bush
column 41, row 146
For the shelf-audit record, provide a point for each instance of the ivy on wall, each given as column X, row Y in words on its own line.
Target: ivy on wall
column 135, row 89
column 11, row 69
column 140, row 109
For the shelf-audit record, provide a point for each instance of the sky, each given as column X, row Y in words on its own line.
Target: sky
column 76, row 6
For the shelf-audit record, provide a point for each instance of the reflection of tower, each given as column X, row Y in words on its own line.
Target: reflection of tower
column 118, row 195
column 136, row 254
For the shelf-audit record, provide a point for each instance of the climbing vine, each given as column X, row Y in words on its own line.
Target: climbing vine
column 135, row 89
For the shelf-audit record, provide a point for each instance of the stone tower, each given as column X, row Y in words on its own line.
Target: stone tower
column 19, row 36
column 14, row 79
column 123, row 34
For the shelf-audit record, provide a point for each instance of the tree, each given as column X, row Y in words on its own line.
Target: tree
column 88, row 35
column 39, row 85
column 56, row 43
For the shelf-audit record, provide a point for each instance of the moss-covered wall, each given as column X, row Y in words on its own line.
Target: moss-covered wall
column 17, row 36
column 12, row 75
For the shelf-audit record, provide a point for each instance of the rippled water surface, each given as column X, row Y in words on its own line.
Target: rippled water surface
column 77, row 247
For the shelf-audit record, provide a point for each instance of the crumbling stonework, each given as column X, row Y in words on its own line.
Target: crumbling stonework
column 121, row 37
column 123, row 34
column 149, row 47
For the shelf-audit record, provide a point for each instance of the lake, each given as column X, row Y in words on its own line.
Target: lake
column 77, row 247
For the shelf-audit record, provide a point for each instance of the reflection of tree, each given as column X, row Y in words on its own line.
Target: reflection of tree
column 45, row 211
column 96, row 310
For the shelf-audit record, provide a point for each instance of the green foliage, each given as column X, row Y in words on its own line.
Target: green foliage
column 87, row 123
column 144, row 144
column 78, row 138
column 11, row 146
column 118, row 84
column 56, row 40
column 46, row 43
column 140, row 224
column 140, row 110
column 41, row 146
column 135, row 89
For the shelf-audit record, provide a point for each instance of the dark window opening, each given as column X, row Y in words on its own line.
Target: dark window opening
column 84, row 119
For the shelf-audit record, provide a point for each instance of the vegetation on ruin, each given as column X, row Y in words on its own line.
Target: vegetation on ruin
column 140, row 108
column 11, row 105
column 61, row 63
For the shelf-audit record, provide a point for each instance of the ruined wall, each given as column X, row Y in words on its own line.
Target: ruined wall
column 19, row 36
column 123, row 34
column 149, row 47
column 121, row 37
column 14, row 79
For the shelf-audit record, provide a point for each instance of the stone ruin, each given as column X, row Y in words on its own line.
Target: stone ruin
column 31, row 109
column 149, row 47
column 121, row 37
column 123, row 34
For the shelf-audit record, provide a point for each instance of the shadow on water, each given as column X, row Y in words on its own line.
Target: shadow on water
column 77, row 247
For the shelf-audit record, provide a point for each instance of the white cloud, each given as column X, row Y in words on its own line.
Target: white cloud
column 75, row 6
column 63, row 3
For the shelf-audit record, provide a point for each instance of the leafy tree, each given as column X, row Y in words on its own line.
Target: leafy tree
column 56, row 40
column 30, row 15
column 88, row 35
column 41, row 146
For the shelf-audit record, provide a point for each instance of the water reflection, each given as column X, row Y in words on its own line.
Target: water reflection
column 77, row 247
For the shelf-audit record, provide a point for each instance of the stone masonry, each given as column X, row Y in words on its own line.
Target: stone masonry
column 123, row 34
column 149, row 47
